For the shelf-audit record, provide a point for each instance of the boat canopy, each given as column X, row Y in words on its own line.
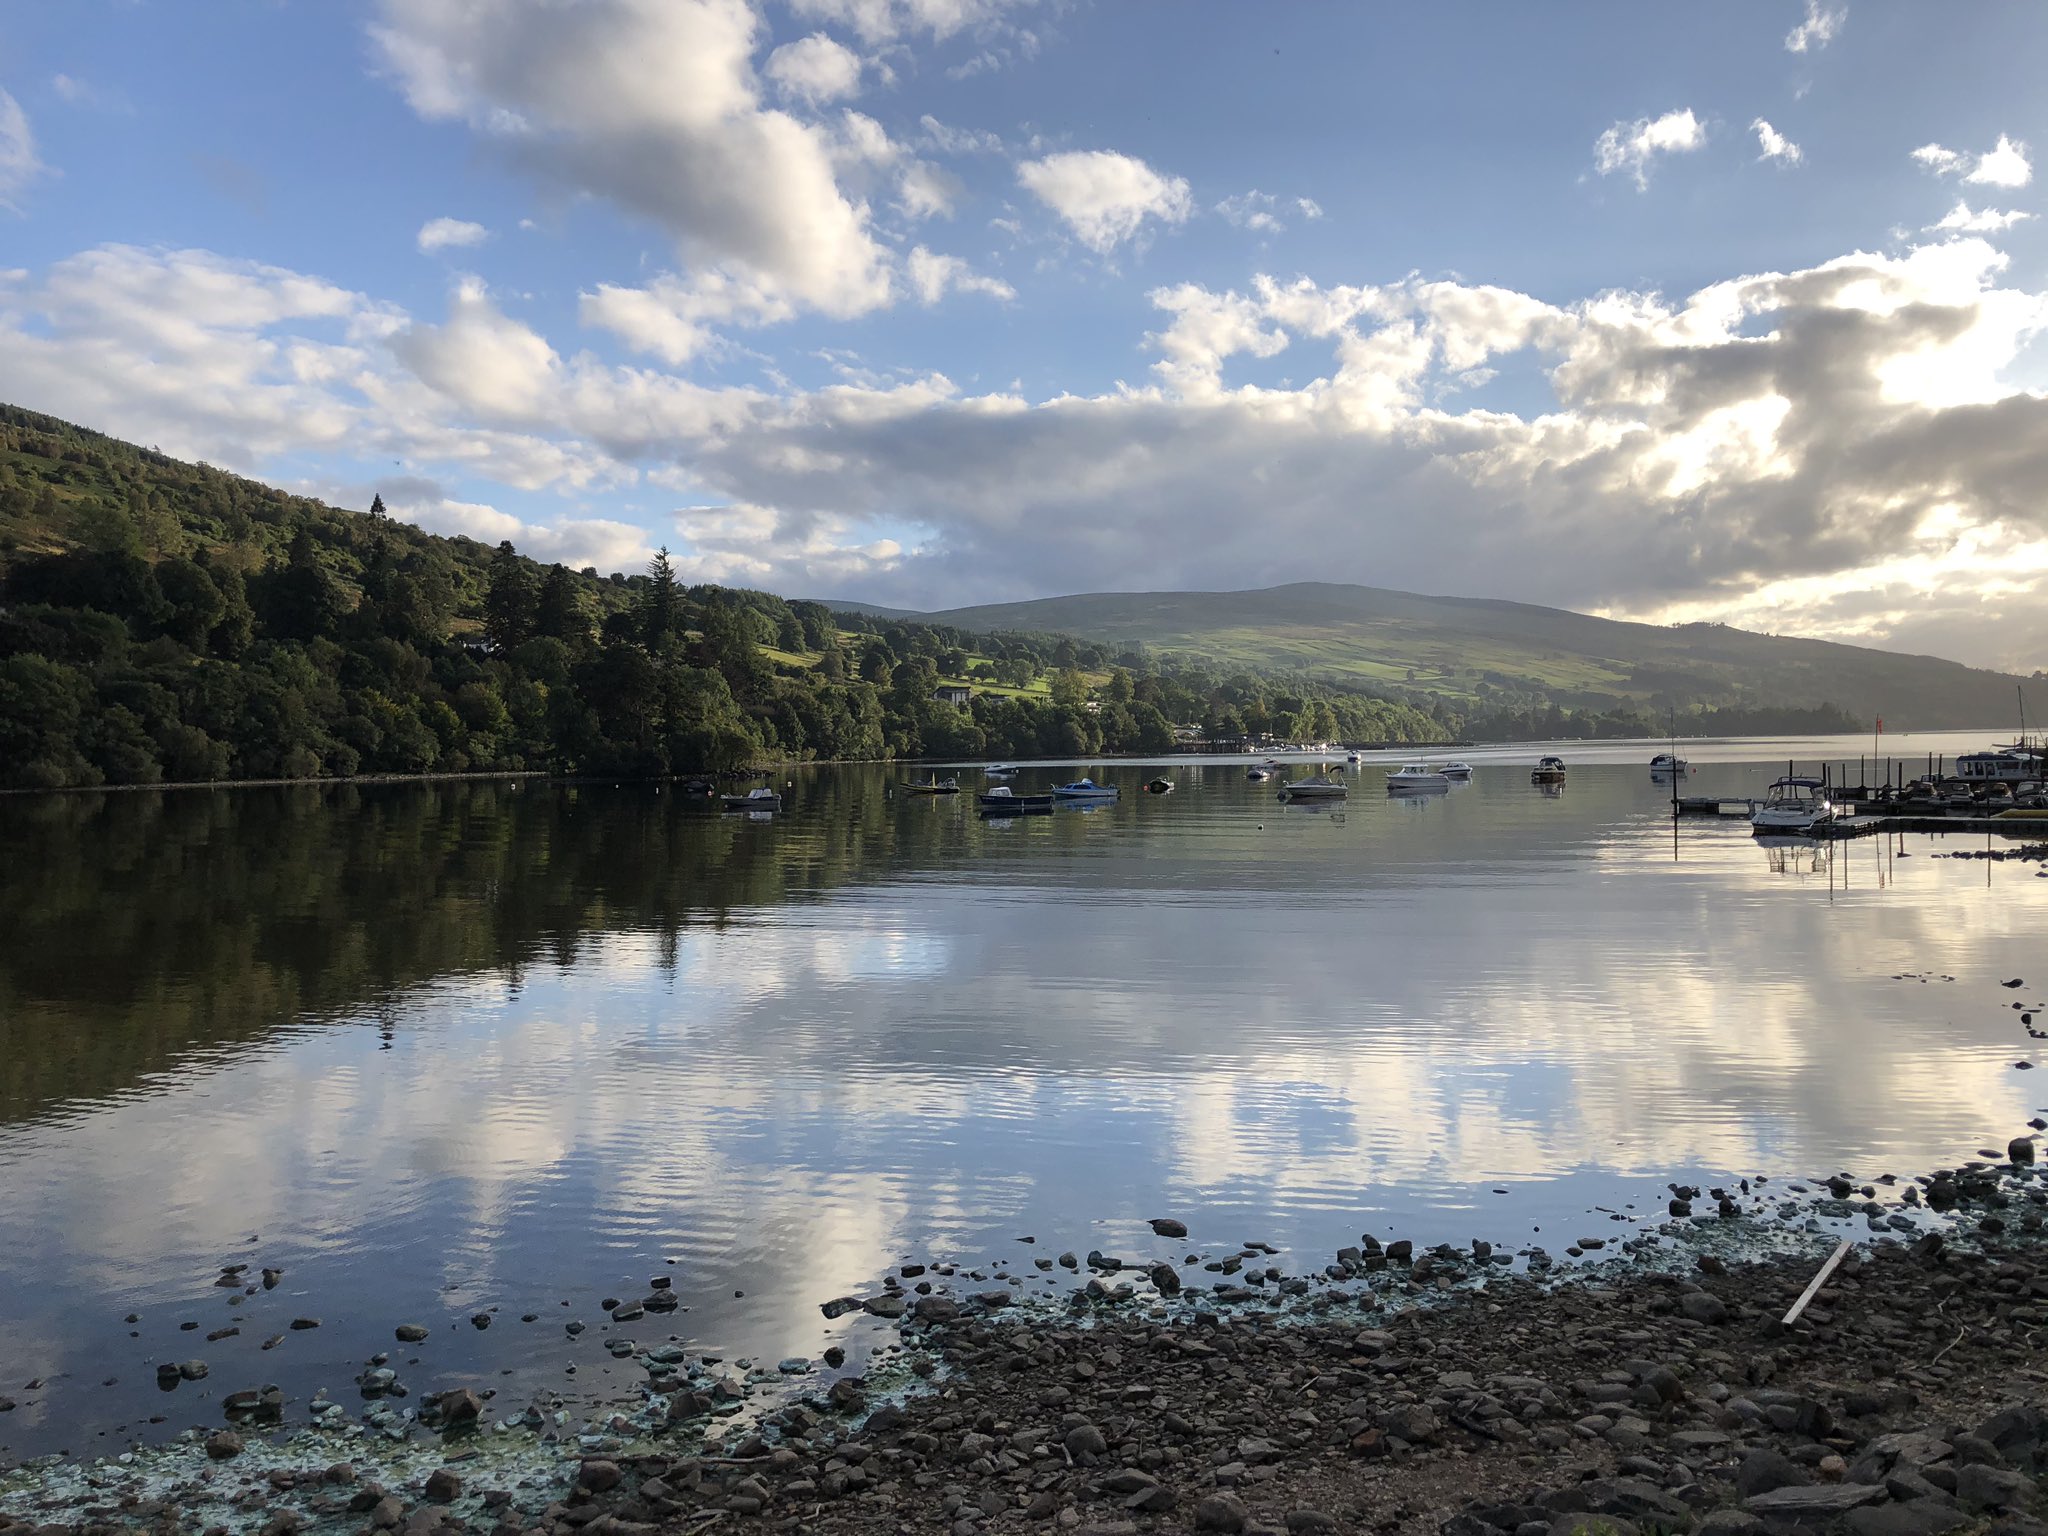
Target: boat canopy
column 1798, row 784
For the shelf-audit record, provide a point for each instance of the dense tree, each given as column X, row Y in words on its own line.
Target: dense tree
column 511, row 601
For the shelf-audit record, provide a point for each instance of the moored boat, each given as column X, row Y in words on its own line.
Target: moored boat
column 1456, row 772
column 1257, row 775
column 999, row 770
column 762, row 799
column 1084, row 789
column 1548, row 770
column 932, row 787
column 1319, row 787
column 1794, row 805
column 1002, row 801
column 1665, row 766
column 1417, row 779
column 1159, row 786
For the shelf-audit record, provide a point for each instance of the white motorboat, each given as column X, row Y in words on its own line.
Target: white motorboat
column 999, row 771
column 1258, row 775
column 1085, row 789
column 1665, row 766
column 1355, row 757
column 1320, row 787
column 2006, row 765
column 1417, row 779
column 762, row 799
column 1456, row 772
column 1548, row 770
column 1794, row 805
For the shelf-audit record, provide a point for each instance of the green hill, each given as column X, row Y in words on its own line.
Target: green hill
column 1479, row 651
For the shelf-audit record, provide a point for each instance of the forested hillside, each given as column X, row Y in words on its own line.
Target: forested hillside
column 168, row 621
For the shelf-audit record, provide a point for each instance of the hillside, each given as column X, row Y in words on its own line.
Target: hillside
column 168, row 621
column 1480, row 651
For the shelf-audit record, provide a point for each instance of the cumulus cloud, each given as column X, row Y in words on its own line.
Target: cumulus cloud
column 2004, row 165
column 925, row 191
column 652, row 105
column 574, row 542
column 1837, row 445
column 1818, row 29
column 948, row 140
column 932, row 274
column 1631, row 147
column 1105, row 197
column 448, row 234
column 1963, row 219
column 815, row 69
column 885, row 21
column 1773, row 145
column 18, row 162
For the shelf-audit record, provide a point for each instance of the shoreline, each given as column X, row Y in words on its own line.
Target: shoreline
column 1201, row 1386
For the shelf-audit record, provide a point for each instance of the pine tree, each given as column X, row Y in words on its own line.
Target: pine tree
column 658, row 602
column 559, row 614
column 510, row 601
column 377, row 505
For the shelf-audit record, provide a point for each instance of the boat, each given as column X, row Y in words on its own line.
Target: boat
column 1456, row 772
column 1354, row 757
column 1417, row 779
column 999, row 770
column 1665, row 766
column 1548, row 770
column 2005, row 765
column 1001, row 801
column 762, row 799
column 1159, row 786
column 1319, row 787
column 1258, row 775
column 1084, row 789
column 1794, row 805
column 933, row 787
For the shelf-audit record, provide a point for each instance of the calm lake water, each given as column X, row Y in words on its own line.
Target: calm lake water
column 434, row 1049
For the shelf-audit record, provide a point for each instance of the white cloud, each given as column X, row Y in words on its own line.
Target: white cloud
column 1773, row 145
column 815, row 70
column 1632, row 146
column 925, row 191
column 672, row 318
column 1310, row 208
column 75, row 92
column 18, row 163
column 653, row 105
column 948, row 140
column 884, row 21
column 1963, row 219
column 447, row 234
column 1840, row 441
column 1105, row 197
column 1818, row 29
column 574, row 542
column 2004, row 165
column 932, row 274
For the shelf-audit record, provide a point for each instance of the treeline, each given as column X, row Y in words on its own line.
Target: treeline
column 1551, row 723
column 162, row 620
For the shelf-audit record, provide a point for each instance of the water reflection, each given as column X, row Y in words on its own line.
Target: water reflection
column 441, row 1049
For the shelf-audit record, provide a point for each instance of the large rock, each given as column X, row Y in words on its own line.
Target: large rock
column 223, row 1444
column 1166, row 1226
column 1922, row 1517
column 1993, row 1488
column 1764, row 1470
column 1812, row 1506
column 1703, row 1307
column 1224, row 1512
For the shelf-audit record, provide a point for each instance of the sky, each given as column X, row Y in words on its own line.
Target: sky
column 1726, row 312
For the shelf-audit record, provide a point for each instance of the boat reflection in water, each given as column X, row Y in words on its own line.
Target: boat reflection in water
column 1791, row 854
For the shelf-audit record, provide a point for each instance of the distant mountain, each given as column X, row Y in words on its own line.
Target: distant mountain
column 1483, row 649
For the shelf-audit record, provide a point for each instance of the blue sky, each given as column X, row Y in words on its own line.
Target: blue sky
column 1723, row 311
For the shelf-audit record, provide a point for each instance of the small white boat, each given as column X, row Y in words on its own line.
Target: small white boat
column 1417, row 779
column 1085, row 789
column 1355, row 757
column 762, row 799
column 999, row 771
column 1665, row 766
column 1548, row 770
column 1456, row 772
column 1794, row 805
column 1257, row 775
column 1320, row 787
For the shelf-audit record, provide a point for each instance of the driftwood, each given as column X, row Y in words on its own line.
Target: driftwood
column 1813, row 1286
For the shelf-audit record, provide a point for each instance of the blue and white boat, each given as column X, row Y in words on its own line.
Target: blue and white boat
column 1085, row 789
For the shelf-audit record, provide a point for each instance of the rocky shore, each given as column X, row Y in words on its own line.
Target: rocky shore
column 1451, row 1392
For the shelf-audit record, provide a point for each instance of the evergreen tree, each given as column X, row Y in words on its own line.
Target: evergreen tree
column 658, row 602
column 559, row 614
column 510, row 601
column 377, row 506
